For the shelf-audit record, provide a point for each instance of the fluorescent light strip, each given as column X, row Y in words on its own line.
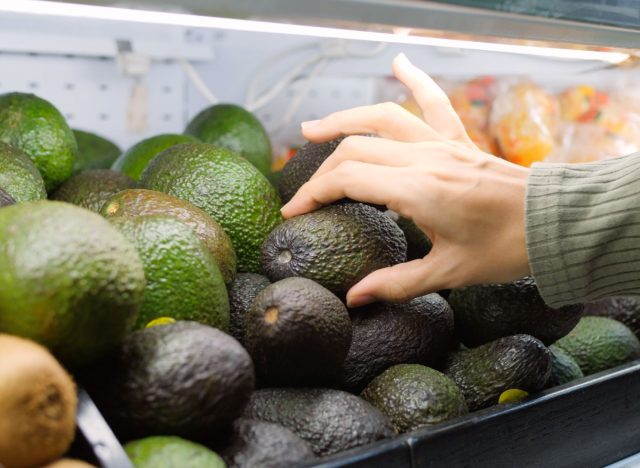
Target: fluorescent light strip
column 179, row 19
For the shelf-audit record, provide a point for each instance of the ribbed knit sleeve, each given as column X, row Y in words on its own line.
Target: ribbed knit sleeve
column 583, row 229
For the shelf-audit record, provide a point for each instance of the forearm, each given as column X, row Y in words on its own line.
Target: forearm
column 583, row 229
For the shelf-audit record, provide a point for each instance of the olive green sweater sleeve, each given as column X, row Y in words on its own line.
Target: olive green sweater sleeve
column 583, row 229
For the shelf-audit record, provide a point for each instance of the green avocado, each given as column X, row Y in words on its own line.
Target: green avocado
column 139, row 202
column 234, row 128
column 242, row 292
column 336, row 246
column 134, row 161
column 94, row 151
column 69, row 280
column 329, row 420
column 185, row 379
column 483, row 373
column 298, row 333
column 171, row 452
column 599, row 343
column 624, row 309
column 183, row 279
column 252, row 443
column 419, row 331
column 227, row 187
column 36, row 127
column 564, row 368
column 486, row 312
column 91, row 189
column 19, row 177
column 414, row 396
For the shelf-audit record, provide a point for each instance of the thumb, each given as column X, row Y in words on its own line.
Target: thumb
column 398, row 283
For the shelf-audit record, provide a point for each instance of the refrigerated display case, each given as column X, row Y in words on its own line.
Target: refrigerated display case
column 135, row 69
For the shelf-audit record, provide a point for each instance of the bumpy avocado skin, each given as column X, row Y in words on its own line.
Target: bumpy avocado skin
column 564, row 368
column 19, row 177
column 298, row 333
column 384, row 334
column 624, row 309
column 599, row 343
column 140, row 202
column 252, row 443
column 183, row 279
column 242, row 292
column 226, row 186
column 335, row 246
column 483, row 373
column 329, row 420
column 303, row 165
column 484, row 313
column 94, row 151
column 414, row 396
column 91, row 189
column 185, row 379
column 35, row 126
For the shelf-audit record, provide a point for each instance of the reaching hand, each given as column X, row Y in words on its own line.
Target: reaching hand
column 469, row 203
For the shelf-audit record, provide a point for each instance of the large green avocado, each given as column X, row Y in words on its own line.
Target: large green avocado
column 242, row 292
column 139, row 202
column 599, row 343
column 486, row 312
column 483, row 373
column 183, row 279
column 171, row 452
column 564, row 368
column 329, row 420
column 19, row 177
column 232, row 127
column 184, row 379
column 69, row 280
column 134, row 161
column 91, row 189
column 252, row 443
column 36, row 127
column 227, row 187
column 298, row 333
column 94, row 151
column 335, row 246
column 625, row 309
column 419, row 331
column 414, row 396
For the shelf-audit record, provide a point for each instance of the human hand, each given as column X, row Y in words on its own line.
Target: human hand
column 469, row 203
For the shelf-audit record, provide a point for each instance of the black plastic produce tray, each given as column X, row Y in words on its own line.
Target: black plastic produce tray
column 591, row 422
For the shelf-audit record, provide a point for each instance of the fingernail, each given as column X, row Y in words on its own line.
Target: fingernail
column 309, row 124
column 359, row 301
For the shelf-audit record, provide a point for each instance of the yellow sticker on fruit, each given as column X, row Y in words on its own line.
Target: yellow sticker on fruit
column 513, row 395
column 160, row 321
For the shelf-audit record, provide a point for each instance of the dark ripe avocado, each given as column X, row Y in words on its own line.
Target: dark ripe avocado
column 329, row 420
column 623, row 309
column 564, row 368
column 336, row 246
column 68, row 280
column 226, row 186
column 486, row 312
column 254, row 443
column 298, row 333
column 384, row 334
column 483, row 373
column 37, row 404
column 418, row 244
column 91, row 189
column 183, row 279
column 303, row 165
column 6, row 199
column 242, row 292
column 414, row 396
column 184, row 379
column 171, row 452
column 19, row 177
column 599, row 343
column 140, row 202
column 94, row 151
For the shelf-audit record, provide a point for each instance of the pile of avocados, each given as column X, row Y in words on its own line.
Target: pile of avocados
column 211, row 332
